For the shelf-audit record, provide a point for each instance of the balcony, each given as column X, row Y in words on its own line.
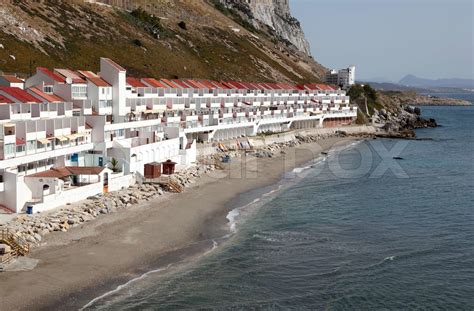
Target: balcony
column 213, row 105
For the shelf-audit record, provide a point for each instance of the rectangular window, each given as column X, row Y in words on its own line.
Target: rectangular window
column 20, row 148
column 9, row 148
column 79, row 91
column 48, row 89
column 31, row 145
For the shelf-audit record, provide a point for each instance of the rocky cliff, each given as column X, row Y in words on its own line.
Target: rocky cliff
column 273, row 16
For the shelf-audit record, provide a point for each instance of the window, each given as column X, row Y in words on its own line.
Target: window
column 9, row 148
column 79, row 91
column 31, row 145
column 20, row 148
column 48, row 89
column 103, row 90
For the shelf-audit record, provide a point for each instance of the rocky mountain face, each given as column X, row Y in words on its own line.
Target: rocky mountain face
column 275, row 16
column 158, row 38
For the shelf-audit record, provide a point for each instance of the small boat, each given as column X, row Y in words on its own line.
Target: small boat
column 324, row 153
column 397, row 158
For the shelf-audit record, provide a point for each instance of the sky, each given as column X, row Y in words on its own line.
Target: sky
column 391, row 38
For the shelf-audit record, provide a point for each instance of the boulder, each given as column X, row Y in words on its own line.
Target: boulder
column 5, row 249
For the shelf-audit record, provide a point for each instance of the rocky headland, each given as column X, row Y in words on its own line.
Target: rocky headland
column 415, row 99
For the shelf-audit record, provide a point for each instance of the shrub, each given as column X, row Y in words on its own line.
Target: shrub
column 183, row 25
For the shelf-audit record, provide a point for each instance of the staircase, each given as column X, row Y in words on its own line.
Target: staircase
column 169, row 183
column 174, row 186
column 19, row 245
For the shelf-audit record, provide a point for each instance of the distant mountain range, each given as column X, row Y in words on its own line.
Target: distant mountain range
column 414, row 81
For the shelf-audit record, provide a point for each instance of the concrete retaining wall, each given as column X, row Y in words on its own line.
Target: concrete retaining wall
column 208, row 149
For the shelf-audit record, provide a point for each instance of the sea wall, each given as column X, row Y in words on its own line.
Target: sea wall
column 208, row 149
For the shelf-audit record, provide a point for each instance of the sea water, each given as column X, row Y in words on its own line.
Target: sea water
column 329, row 240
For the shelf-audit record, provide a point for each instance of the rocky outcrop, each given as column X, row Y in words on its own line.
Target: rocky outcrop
column 276, row 16
column 402, row 122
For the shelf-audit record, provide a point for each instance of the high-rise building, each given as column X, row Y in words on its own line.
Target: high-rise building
column 344, row 78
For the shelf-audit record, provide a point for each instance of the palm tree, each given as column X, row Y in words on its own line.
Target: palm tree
column 114, row 163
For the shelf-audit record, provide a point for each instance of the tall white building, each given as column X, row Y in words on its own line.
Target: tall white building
column 344, row 78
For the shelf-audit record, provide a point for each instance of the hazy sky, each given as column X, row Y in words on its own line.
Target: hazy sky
column 391, row 38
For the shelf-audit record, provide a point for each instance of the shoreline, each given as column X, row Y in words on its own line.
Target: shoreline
column 90, row 260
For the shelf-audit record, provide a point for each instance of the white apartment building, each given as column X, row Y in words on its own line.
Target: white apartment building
column 344, row 77
column 58, row 135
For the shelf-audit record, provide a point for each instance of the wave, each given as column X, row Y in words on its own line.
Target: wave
column 120, row 287
column 390, row 258
column 235, row 215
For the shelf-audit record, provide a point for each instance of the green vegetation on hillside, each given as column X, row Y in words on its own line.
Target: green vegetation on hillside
column 359, row 94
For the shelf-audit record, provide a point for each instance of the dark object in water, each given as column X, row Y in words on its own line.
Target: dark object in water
column 324, row 153
column 397, row 158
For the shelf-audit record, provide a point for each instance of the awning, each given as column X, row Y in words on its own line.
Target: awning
column 156, row 110
column 61, row 138
column 20, row 141
column 71, row 137
column 78, row 135
column 44, row 141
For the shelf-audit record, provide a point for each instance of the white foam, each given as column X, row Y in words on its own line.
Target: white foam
column 120, row 287
column 390, row 258
column 232, row 217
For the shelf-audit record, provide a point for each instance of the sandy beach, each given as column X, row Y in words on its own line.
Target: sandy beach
column 90, row 260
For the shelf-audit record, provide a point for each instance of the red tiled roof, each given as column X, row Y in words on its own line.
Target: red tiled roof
column 98, row 81
column 181, row 84
column 207, row 84
column 61, row 172
column 169, row 84
column 51, row 98
column 52, row 75
column 12, row 79
column 220, row 85
column 19, row 94
column 199, row 85
column 228, row 85
column 87, row 74
column 153, row 82
column 190, row 84
column 301, row 87
column 238, row 85
column 75, row 77
column 5, row 100
column 134, row 82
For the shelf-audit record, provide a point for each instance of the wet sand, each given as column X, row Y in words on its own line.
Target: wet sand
column 90, row 260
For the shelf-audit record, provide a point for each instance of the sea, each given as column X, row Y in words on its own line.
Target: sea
column 353, row 230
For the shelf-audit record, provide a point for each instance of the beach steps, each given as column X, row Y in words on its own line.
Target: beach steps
column 167, row 182
column 19, row 246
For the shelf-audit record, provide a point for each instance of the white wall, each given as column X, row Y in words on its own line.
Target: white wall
column 116, row 78
column 69, row 196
